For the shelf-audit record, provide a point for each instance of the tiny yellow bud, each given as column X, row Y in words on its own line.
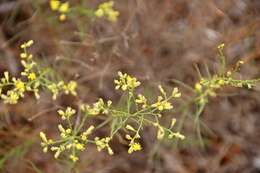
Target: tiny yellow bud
column 221, row 46
column 198, row 87
column 45, row 149
column 74, row 158
column 173, row 122
column 62, row 17
column 241, row 62
column 110, row 151
column 80, row 147
column 29, row 43
column 129, row 127
column 128, row 137
column 23, row 55
column 43, row 137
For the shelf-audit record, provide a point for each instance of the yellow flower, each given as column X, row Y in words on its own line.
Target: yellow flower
column 106, row 10
column 198, row 87
column 19, row 85
column 23, row 55
column 80, row 146
column 99, row 13
column 74, row 158
column 126, row 82
column 134, row 147
column 70, row 88
column 176, row 93
column 32, row 76
column 64, row 7
column 54, row 4
column 162, row 104
column 112, row 16
column 62, row 17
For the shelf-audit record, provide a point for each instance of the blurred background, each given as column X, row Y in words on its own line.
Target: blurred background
column 154, row 40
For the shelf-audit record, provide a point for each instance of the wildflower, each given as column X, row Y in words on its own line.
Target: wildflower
column 84, row 135
column 54, row 4
column 67, row 114
column 32, row 76
column 160, row 132
column 103, row 143
column 11, row 97
column 64, row 7
column 198, row 87
column 106, row 10
column 99, row 13
column 126, row 82
column 134, row 147
column 74, row 158
column 57, row 153
column 23, row 55
column 54, row 89
column 19, row 85
column 80, row 147
column 62, row 17
column 162, row 104
column 141, row 100
column 176, row 93
column 70, row 88
column 45, row 142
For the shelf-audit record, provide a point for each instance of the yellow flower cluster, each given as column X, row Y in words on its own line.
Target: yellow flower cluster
column 133, row 145
column 73, row 139
column 207, row 87
column 163, row 101
column 33, row 78
column 61, row 8
column 97, row 108
column 45, row 142
column 126, row 82
column 67, row 113
column 70, row 142
column 103, row 143
column 106, row 10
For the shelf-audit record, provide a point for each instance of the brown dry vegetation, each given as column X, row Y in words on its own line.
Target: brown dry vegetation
column 155, row 41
